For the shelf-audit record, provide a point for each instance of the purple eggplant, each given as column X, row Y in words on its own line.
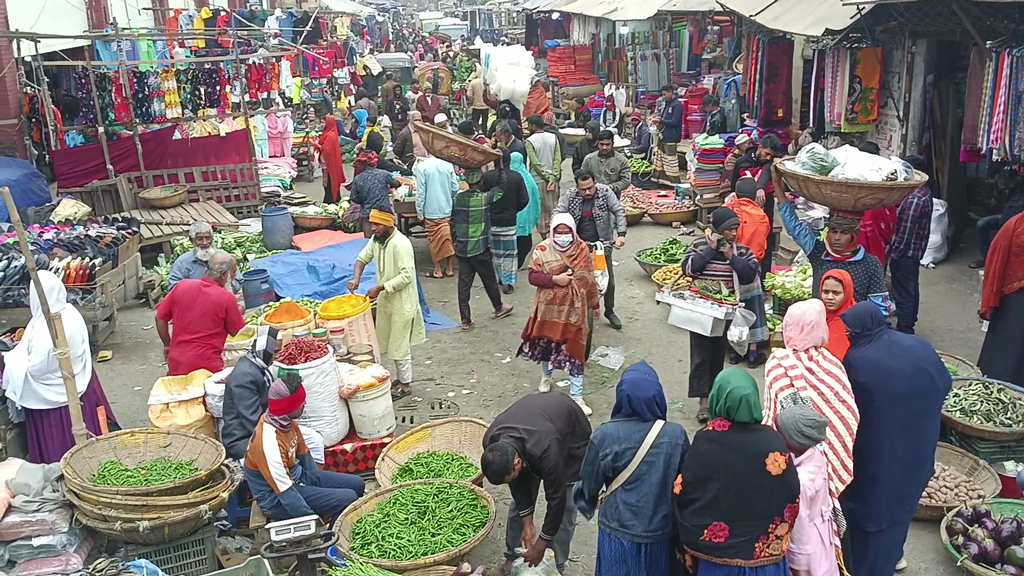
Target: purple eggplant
column 988, row 525
column 977, row 535
column 981, row 512
column 1006, row 535
column 956, row 527
column 971, row 551
column 966, row 515
column 991, row 553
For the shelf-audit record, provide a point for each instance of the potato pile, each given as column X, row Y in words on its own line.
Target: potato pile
column 667, row 274
column 950, row 486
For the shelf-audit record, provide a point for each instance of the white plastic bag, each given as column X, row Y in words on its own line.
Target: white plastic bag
column 545, row 568
column 612, row 358
column 215, row 386
column 326, row 412
column 938, row 248
column 739, row 330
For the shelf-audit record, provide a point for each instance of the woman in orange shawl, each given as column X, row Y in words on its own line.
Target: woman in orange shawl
column 557, row 334
column 1002, row 304
column 836, row 292
column 330, row 157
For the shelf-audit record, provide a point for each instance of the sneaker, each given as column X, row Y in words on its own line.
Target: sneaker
column 545, row 384
column 978, row 264
column 755, row 359
column 583, row 405
column 734, row 358
column 901, row 565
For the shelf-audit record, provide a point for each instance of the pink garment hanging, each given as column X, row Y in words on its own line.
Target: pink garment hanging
column 279, row 134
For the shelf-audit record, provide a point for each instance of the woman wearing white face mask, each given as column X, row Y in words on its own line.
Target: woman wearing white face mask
column 557, row 335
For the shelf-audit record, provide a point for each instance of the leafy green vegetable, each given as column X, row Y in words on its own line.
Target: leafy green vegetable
column 244, row 246
column 792, row 285
column 670, row 251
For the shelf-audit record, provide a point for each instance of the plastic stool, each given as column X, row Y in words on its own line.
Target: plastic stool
column 238, row 504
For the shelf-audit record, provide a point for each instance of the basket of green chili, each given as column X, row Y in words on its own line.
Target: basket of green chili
column 142, row 462
column 449, row 448
column 416, row 524
column 985, row 408
column 139, row 529
column 226, row 477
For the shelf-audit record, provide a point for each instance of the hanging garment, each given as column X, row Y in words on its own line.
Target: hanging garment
column 199, row 23
column 973, row 100
column 863, row 94
column 262, row 142
column 777, row 95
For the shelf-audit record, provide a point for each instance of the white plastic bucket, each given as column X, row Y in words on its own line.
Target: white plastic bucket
column 373, row 413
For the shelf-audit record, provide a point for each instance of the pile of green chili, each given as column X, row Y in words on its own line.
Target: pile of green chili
column 158, row 471
column 985, row 404
column 435, row 464
column 419, row 521
column 357, row 568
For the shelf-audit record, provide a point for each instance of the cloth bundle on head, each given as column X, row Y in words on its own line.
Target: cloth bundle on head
column 549, row 118
column 285, row 400
column 722, row 219
column 734, row 396
column 845, row 221
column 635, row 116
column 639, row 395
column 381, row 217
column 802, row 426
column 805, row 326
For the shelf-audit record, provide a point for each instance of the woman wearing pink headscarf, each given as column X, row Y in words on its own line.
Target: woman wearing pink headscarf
column 805, row 372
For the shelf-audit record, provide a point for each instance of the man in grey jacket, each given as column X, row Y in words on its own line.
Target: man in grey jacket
column 599, row 217
column 607, row 165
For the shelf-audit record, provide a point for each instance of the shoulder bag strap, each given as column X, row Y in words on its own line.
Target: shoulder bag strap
column 635, row 463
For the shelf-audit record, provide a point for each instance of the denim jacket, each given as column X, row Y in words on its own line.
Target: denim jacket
column 641, row 509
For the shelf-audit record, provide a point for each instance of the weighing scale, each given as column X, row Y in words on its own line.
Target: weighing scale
column 301, row 539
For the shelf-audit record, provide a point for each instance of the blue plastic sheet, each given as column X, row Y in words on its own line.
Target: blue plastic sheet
column 324, row 273
column 28, row 185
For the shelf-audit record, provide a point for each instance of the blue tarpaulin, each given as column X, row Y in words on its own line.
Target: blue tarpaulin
column 324, row 273
column 28, row 186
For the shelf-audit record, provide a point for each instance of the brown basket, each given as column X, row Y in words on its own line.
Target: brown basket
column 224, row 478
column 432, row 571
column 969, row 465
column 979, row 431
column 167, row 196
column 158, row 530
column 132, row 447
column 368, row 503
column 214, row 502
column 454, row 149
column 669, row 218
column 460, row 434
column 312, row 221
column 634, row 218
column 964, row 368
column 850, row 195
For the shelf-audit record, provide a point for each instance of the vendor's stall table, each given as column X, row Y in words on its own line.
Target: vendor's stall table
column 160, row 225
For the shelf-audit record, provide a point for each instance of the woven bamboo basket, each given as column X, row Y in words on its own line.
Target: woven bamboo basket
column 432, row 571
column 454, row 149
column 214, row 502
column 963, row 367
column 158, row 530
column 133, row 447
column 312, row 221
column 999, row 506
column 368, row 503
column 633, row 218
column 670, row 218
column 851, row 195
column 224, row 478
column 980, row 431
column 969, row 465
column 459, row 434
column 167, row 196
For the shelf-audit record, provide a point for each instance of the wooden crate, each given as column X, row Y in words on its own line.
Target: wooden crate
column 105, row 197
column 236, row 187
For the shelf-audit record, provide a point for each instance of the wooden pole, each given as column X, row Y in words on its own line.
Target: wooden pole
column 100, row 123
column 53, row 324
column 147, row 179
column 243, row 99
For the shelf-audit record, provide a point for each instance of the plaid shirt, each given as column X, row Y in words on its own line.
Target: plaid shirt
column 471, row 221
column 913, row 224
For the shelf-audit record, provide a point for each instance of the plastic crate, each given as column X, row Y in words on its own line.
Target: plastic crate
column 990, row 451
column 255, row 566
column 193, row 555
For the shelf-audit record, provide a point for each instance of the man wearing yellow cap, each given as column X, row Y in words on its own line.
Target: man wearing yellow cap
column 399, row 318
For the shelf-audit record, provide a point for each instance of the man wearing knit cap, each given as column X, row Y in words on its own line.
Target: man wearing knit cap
column 399, row 317
column 641, row 143
column 716, row 258
column 282, row 475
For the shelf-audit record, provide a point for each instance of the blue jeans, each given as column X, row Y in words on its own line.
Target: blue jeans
column 575, row 382
column 327, row 493
column 986, row 229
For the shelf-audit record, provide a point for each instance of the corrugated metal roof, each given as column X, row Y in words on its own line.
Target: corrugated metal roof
column 804, row 17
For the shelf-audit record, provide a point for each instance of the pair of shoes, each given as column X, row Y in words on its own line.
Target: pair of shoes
column 901, row 565
column 703, row 416
column 508, row 289
column 978, row 264
column 545, row 384
column 734, row 358
column 613, row 320
column 583, row 405
column 755, row 359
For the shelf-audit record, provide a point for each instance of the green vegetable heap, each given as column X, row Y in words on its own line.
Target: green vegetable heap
column 434, row 464
column 159, row 471
column 357, row 568
column 670, row 251
column 715, row 290
column 985, row 404
column 639, row 165
column 953, row 370
column 420, row 521
column 244, row 246
column 791, row 285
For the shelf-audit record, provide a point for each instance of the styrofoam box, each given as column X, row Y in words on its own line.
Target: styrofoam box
column 697, row 315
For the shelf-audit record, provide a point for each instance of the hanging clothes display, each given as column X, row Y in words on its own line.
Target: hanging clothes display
column 998, row 106
column 864, row 89
column 776, row 92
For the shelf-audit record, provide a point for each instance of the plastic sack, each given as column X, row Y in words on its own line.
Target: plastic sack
column 739, row 330
column 546, row 567
column 938, row 247
column 34, row 547
column 815, row 159
column 64, row 563
column 188, row 415
column 326, row 412
column 16, row 525
column 143, row 567
column 899, row 170
column 600, row 268
column 611, row 358
column 314, row 442
column 8, row 469
column 215, row 386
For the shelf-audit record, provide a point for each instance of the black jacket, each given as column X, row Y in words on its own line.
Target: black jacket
column 583, row 149
column 245, row 400
column 717, row 123
column 515, row 198
column 550, row 433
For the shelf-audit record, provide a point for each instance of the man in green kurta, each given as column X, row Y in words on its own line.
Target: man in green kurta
column 399, row 317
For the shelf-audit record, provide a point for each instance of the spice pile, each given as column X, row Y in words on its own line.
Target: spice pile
column 158, row 471
column 302, row 350
column 307, row 303
column 985, row 404
column 950, row 486
column 670, row 251
column 435, row 464
column 419, row 521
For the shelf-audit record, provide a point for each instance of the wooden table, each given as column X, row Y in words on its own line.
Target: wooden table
column 160, row 225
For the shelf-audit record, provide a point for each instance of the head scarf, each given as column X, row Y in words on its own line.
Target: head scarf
column 262, row 352
column 635, row 116
column 549, row 118
column 722, row 219
column 360, row 115
column 526, row 219
column 284, row 405
column 1004, row 265
column 418, row 149
column 802, row 426
column 734, row 396
column 381, row 217
column 844, row 222
column 567, row 219
column 838, row 342
column 330, row 153
column 368, row 158
column 639, row 395
column 804, row 326
column 32, row 375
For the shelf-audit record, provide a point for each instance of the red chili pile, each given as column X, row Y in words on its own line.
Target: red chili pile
column 302, row 350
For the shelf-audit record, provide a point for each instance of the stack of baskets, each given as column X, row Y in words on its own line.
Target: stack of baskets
column 149, row 514
column 990, row 443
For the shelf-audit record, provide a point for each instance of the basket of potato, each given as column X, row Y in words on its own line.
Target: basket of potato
column 959, row 477
column 666, row 275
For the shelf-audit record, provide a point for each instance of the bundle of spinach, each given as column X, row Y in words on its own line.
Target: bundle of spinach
column 715, row 290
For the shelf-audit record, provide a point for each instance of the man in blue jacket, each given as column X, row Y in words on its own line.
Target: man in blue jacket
column 666, row 158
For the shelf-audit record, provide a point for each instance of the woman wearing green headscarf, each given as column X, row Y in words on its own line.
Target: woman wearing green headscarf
column 526, row 219
column 738, row 495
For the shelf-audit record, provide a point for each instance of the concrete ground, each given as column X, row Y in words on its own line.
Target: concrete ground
column 481, row 370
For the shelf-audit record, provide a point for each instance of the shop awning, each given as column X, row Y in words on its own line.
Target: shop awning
column 690, row 6
column 347, row 6
column 804, row 17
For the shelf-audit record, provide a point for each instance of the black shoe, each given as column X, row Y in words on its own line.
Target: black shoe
column 508, row 288
column 734, row 358
column 978, row 264
column 755, row 359
column 614, row 320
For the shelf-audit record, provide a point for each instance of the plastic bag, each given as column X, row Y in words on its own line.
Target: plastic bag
column 16, row 525
column 600, row 268
column 938, row 247
column 63, row 563
column 314, row 442
column 215, row 386
column 899, row 170
column 739, row 330
column 44, row 546
column 612, row 358
column 815, row 159
column 545, row 568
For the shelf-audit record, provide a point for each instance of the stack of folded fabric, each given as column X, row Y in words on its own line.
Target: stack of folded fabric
column 710, row 153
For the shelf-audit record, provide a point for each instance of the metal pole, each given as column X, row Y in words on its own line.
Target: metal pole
column 53, row 324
